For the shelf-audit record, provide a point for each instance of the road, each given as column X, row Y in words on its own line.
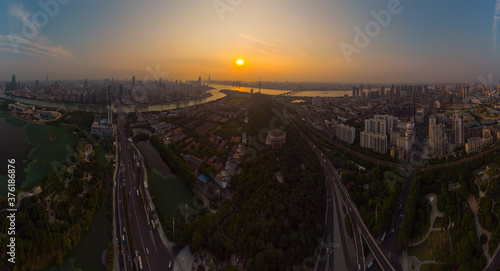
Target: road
column 146, row 240
column 336, row 249
column 356, row 219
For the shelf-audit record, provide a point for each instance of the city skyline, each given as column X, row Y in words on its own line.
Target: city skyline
column 421, row 42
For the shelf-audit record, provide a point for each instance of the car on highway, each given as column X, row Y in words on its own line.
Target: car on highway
column 169, row 264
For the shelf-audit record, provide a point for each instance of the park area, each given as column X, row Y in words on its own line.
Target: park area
column 172, row 194
column 436, row 248
column 46, row 151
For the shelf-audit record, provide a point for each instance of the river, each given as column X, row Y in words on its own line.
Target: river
column 169, row 106
column 329, row 93
column 126, row 108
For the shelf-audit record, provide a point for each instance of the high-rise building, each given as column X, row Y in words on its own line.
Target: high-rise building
column 120, row 92
column 382, row 91
column 458, row 128
column 436, row 137
column 316, row 101
column 133, row 81
column 353, row 92
column 346, row 133
column 392, row 94
column 13, row 86
column 110, row 114
column 398, row 94
column 374, row 141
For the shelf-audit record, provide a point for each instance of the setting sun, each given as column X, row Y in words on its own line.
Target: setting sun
column 240, row 62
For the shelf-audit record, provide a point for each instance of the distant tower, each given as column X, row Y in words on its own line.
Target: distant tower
column 458, row 128
column 133, row 81
column 392, row 94
column 110, row 114
column 259, row 85
column 199, row 80
column 209, row 79
column 13, row 86
column 86, row 84
column 47, row 79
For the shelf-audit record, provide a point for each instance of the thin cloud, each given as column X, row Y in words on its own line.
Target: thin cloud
column 19, row 12
column 274, row 49
column 38, row 46
column 24, row 46
column 496, row 19
column 255, row 39
column 10, row 50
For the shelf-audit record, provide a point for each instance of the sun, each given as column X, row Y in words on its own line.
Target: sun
column 240, row 61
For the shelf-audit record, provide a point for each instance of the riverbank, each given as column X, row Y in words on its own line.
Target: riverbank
column 215, row 95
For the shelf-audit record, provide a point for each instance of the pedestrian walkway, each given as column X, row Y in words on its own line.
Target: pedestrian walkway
column 434, row 213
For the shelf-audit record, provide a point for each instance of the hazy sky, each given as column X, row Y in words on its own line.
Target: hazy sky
column 295, row 40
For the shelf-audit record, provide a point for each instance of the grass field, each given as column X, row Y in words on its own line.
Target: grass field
column 36, row 133
column 36, row 170
column 43, row 155
column 44, row 152
column 58, row 131
column 16, row 122
column 436, row 244
column 102, row 151
column 4, row 114
column 171, row 193
column 440, row 222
